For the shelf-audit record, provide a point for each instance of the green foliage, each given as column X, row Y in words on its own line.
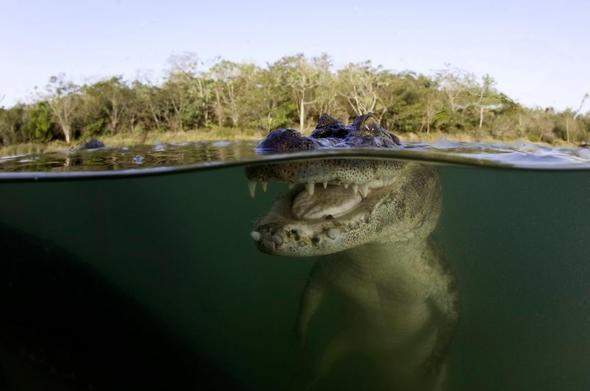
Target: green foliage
column 93, row 128
column 38, row 125
column 442, row 120
column 11, row 123
column 290, row 92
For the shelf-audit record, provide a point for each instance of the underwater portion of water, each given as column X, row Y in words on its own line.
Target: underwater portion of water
column 155, row 282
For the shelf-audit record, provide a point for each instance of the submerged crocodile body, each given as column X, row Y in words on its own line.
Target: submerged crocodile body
column 371, row 222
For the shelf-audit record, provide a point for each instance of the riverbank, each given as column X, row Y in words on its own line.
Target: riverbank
column 122, row 139
column 155, row 137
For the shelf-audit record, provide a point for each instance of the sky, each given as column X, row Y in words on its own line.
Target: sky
column 538, row 52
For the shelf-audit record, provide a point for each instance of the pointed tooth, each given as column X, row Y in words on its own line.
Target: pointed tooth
column 310, row 187
column 355, row 188
column 346, row 185
column 325, row 185
column 291, row 185
column 332, row 233
column 252, row 188
column 364, row 190
column 264, row 186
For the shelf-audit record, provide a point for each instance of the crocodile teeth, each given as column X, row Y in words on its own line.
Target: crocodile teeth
column 364, row 189
column 355, row 188
column 346, row 185
column 332, row 233
column 264, row 186
column 252, row 188
column 334, row 202
column 310, row 187
column 325, row 185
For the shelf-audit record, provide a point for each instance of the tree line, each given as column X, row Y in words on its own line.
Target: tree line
column 291, row 92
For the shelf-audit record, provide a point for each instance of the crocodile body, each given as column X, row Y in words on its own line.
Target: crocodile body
column 370, row 223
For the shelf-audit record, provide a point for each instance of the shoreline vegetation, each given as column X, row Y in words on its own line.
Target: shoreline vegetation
column 155, row 137
column 228, row 100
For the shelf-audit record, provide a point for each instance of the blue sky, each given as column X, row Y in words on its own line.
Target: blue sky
column 537, row 51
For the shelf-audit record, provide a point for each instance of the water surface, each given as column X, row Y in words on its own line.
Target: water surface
column 164, row 158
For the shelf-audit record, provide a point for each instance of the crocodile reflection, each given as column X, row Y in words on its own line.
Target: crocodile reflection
column 370, row 221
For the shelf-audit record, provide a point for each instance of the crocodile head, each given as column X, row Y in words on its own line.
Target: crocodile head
column 363, row 132
column 338, row 204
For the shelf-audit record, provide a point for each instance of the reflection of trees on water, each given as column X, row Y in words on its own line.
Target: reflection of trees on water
column 123, row 158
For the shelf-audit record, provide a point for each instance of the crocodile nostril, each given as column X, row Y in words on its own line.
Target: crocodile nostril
column 295, row 234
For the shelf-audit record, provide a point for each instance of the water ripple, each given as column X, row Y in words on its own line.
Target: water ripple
column 154, row 159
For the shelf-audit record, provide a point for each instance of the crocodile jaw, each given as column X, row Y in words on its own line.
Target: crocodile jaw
column 315, row 231
column 332, row 217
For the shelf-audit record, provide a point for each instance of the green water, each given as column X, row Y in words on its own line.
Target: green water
column 154, row 282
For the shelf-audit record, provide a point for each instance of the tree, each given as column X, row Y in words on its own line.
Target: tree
column 228, row 81
column 410, row 101
column 358, row 85
column 147, row 108
column 11, row 122
column 63, row 99
column 465, row 93
column 38, row 124
column 326, row 91
column 487, row 97
column 574, row 114
column 302, row 77
column 186, row 93
column 276, row 106
column 112, row 99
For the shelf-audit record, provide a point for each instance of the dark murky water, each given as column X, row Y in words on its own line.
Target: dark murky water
column 135, row 278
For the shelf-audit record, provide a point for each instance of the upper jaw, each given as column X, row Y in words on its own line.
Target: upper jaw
column 358, row 175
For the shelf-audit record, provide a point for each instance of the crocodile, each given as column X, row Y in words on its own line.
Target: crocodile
column 370, row 223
